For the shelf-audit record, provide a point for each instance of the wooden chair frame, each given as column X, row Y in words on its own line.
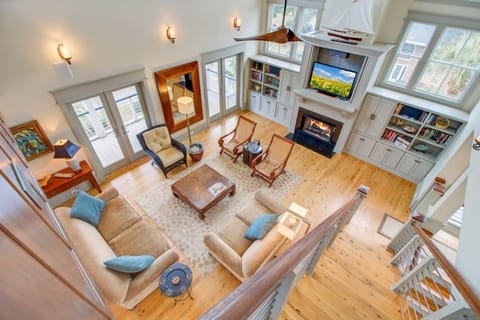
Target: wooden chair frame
column 238, row 148
column 273, row 175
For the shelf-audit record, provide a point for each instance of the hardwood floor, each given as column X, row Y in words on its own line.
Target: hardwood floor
column 352, row 279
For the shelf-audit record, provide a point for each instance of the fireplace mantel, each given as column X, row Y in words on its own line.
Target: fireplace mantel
column 332, row 102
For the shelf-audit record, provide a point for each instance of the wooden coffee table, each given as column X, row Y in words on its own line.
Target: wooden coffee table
column 196, row 189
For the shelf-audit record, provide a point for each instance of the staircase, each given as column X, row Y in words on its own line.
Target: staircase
column 429, row 287
column 454, row 223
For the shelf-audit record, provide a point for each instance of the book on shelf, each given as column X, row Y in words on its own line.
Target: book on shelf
column 398, row 108
column 402, row 142
column 217, row 188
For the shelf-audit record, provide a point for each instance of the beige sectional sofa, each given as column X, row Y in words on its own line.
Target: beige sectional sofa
column 239, row 255
column 121, row 231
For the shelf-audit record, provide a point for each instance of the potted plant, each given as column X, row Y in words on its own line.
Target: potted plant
column 196, row 151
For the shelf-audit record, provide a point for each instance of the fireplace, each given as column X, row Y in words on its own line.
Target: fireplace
column 316, row 132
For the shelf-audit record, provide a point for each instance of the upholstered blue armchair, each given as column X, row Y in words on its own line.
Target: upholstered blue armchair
column 166, row 152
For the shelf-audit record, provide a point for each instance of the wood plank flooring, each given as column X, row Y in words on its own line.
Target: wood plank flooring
column 352, row 279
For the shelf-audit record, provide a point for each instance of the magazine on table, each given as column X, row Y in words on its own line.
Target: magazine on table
column 217, row 188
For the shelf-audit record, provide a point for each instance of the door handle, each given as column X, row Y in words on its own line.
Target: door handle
column 373, row 116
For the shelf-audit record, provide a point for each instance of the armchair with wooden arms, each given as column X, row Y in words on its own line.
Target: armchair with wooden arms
column 166, row 152
column 241, row 134
column 271, row 163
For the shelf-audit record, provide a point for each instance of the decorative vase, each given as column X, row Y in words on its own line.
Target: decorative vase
column 196, row 151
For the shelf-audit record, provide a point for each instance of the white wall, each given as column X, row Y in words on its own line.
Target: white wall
column 468, row 257
column 106, row 38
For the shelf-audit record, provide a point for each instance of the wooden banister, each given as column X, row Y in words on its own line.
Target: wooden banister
column 462, row 286
column 246, row 298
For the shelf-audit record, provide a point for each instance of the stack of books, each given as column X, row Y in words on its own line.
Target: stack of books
column 216, row 188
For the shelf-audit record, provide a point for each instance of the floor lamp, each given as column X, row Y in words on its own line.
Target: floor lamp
column 185, row 106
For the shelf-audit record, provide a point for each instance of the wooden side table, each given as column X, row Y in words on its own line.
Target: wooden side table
column 59, row 185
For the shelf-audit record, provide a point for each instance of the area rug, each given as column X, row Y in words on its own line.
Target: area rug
column 389, row 226
column 181, row 223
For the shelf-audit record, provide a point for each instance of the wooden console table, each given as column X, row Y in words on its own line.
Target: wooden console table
column 59, row 185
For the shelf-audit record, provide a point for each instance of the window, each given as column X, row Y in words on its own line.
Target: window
column 436, row 61
column 298, row 18
column 397, row 72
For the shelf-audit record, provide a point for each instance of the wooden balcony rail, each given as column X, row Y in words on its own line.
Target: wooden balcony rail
column 462, row 286
column 249, row 297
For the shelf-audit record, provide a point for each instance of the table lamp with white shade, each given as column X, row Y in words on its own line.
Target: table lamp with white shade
column 64, row 149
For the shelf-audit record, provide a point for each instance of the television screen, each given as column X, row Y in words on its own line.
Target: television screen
column 332, row 80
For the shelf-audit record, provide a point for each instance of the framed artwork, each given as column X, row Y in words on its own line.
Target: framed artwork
column 31, row 140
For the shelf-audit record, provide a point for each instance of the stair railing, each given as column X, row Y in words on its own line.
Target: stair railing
column 430, row 287
column 265, row 293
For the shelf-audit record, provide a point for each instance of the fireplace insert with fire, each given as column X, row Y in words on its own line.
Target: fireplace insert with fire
column 316, row 132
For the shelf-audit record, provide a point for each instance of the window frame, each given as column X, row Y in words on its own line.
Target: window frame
column 299, row 20
column 441, row 23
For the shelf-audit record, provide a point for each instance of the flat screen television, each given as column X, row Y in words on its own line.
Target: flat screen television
column 334, row 81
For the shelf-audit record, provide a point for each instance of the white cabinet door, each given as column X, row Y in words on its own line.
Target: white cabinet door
column 415, row 167
column 360, row 145
column 367, row 112
column 374, row 114
column 386, row 155
column 288, row 80
column 254, row 101
column 382, row 115
column 283, row 114
column 268, row 107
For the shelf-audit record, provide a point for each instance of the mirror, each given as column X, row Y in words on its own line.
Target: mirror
column 176, row 82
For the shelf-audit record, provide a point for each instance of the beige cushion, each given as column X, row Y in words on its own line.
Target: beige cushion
column 117, row 216
column 260, row 251
column 157, row 139
column 270, row 202
column 231, row 144
column 233, row 234
column 267, row 166
column 92, row 250
column 151, row 274
column 169, row 156
column 139, row 239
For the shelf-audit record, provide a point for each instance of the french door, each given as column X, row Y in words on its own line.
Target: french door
column 106, row 125
column 222, row 86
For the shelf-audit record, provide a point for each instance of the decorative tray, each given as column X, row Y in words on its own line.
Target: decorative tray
column 410, row 129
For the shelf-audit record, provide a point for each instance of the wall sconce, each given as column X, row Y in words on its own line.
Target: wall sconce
column 64, row 53
column 237, row 23
column 171, row 34
column 476, row 145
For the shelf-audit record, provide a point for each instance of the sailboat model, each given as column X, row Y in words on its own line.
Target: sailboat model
column 355, row 23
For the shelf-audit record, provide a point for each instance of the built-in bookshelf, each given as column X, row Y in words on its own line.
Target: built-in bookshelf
column 421, row 132
column 264, row 78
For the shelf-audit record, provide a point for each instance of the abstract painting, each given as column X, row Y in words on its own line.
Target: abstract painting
column 31, row 140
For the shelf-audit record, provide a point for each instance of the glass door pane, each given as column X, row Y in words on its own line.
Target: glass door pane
column 97, row 126
column 132, row 115
column 230, row 82
column 213, row 89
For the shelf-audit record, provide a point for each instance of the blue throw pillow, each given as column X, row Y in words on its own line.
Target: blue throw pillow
column 260, row 226
column 130, row 264
column 87, row 208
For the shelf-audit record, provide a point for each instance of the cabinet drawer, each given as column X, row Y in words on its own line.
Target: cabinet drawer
column 386, row 155
column 360, row 145
column 414, row 167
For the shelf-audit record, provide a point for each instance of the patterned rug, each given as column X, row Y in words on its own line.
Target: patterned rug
column 181, row 223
